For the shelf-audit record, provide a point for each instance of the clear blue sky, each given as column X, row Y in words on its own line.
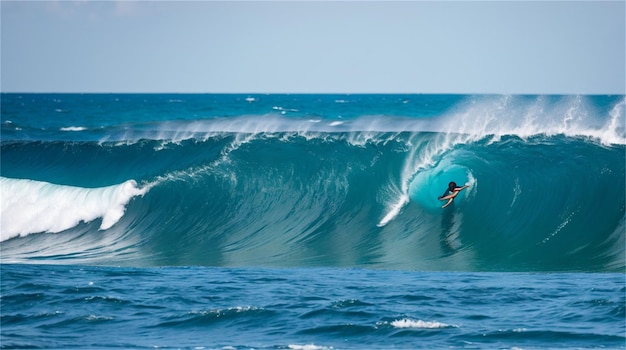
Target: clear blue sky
column 540, row 47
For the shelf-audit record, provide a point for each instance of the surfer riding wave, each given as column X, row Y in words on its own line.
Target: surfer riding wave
column 451, row 192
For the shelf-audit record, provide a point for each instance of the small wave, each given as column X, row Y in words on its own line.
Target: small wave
column 309, row 347
column 74, row 128
column 284, row 110
column 409, row 323
column 221, row 313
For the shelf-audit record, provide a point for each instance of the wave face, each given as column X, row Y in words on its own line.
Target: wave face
column 315, row 180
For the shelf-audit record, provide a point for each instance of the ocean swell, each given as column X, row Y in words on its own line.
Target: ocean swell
column 318, row 181
column 281, row 199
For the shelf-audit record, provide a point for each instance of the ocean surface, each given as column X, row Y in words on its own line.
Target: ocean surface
column 280, row 221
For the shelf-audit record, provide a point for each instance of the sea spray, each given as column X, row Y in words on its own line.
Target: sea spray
column 254, row 221
column 30, row 206
column 301, row 189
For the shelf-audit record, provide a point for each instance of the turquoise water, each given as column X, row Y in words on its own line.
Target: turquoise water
column 312, row 221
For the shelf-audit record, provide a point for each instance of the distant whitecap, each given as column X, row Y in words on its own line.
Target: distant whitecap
column 74, row 128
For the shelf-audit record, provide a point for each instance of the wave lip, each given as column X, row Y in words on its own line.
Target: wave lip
column 30, row 206
column 572, row 116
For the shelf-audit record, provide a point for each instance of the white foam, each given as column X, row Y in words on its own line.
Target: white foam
column 398, row 196
column 309, row 347
column 30, row 206
column 74, row 128
column 394, row 209
column 476, row 118
column 408, row 323
column 494, row 117
column 572, row 116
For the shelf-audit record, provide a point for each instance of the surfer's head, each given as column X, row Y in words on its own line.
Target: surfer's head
column 452, row 185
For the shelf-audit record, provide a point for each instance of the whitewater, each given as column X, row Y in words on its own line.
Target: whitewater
column 269, row 188
column 312, row 221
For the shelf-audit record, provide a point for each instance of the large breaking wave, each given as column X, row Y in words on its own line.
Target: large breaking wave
column 547, row 191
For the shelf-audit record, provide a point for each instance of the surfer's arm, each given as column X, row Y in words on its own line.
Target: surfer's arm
column 451, row 196
column 454, row 193
column 449, row 201
column 457, row 190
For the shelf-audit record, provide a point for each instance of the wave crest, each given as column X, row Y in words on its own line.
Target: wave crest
column 268, row 200
column 30, row 206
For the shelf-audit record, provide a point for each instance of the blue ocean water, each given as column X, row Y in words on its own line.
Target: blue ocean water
column 312, row 221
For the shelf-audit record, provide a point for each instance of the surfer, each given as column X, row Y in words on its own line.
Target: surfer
column 451, row 192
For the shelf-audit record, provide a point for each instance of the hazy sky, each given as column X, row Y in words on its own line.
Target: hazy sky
column 570, row 47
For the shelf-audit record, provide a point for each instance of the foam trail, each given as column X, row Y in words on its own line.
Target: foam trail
column 394, row 209
column 30, row 206
column 506, row 115
column 429, row 153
